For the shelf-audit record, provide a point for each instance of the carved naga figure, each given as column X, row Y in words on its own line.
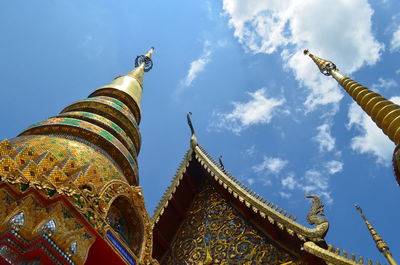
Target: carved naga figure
column 315, row 213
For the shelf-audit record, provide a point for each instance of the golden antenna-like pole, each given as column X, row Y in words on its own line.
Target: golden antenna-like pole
column 380, row 244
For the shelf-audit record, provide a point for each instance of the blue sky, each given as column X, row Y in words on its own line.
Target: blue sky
column 282, row 127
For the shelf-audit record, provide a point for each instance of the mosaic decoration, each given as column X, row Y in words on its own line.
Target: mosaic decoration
column 97, row 166
column 124, row 97
column 110, row 126
column 121, row 108
column 30, row 218
column 215, row 233
column 93, row 134
column 127, row 124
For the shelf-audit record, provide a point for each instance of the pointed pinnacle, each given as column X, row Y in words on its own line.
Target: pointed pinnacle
column 325, row 66
column 220, row 162
column 193, row 138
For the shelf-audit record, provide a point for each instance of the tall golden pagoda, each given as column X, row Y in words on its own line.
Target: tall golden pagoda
column 68, row 189
column 69, row 194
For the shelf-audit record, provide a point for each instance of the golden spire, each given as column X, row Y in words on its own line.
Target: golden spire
column 383, row 112
column 380, row 244
column 128, row 88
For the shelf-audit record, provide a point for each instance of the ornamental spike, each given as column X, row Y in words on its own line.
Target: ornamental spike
column 193, row 138
column 383, row 112
column 220, row 162
column 381, row 245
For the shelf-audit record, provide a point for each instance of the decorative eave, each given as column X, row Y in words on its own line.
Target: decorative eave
column 335, row 256
column 167, row 196
column 256, row 203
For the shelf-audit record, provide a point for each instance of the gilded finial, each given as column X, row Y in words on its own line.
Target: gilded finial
column 193, row 138
column 128, row 88
column 145, row 59
column 324, row 66
column 380, row 244
column 220, row 162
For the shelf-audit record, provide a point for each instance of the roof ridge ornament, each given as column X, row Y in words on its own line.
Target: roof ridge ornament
column 381, row 245
column 220, row 162
column 383, row 112
column 193, row 138
column 315, row 213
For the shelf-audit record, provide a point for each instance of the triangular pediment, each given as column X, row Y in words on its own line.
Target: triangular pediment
column 269, row 222
column 214, row 232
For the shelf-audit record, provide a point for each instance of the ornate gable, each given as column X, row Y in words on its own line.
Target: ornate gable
column 214, row 232
column 271, row 224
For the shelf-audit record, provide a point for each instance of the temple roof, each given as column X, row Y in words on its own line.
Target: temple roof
column 238, row 190
column 267, row 217
column 307, row 240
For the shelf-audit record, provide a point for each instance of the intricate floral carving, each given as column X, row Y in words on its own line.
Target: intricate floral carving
column 215, row 233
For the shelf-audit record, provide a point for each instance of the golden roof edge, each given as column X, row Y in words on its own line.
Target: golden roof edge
column 239, row 190
column 263, row 209
column 163, row 203
column 332, row 255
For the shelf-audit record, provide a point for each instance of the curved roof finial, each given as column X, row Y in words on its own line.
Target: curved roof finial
column 193, row 138
column 220, row 162
column 314, row 216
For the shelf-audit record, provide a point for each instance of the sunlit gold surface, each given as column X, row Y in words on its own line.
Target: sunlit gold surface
column 214, row 233
column 86, row 176
column 383, row 112
column 266, row 210
column 108, row 125
column 130, row 84
column 70, row 156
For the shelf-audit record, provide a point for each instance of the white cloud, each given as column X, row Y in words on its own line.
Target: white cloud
column 285, row 195
column 324, row 138
column 250, row 181
column 341, row 32
column 270, row 165
column 197, row 66
column 384, row 83
column 371, row 139
column 250, row 152
column 334, row 166
column 395, row 41
column 289, row 182
column 259, row 110
column 313, row 182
